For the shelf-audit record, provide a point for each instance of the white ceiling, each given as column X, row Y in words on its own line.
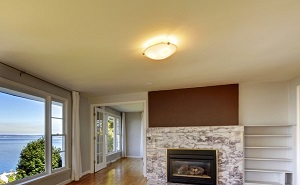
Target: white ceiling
column 132, row 107
column 96, row 46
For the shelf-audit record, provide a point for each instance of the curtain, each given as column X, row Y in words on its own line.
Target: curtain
column 123, row 135
column 76, row 153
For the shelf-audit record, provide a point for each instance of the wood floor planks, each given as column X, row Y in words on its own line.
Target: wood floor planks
column 126, row 171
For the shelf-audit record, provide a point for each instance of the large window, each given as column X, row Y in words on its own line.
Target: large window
column 32, row 136
column 113, row 134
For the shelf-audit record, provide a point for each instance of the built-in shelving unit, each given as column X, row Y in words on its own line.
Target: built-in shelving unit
column 269, row 154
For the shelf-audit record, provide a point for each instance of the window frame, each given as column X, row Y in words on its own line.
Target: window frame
column 113, row 152
column 64, row 133
column 24, row 91
column 120, row 134
column 115, row 133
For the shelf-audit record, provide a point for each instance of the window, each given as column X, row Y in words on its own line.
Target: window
column 113, row 134
column 58, row 135
column 22, row 128
column 118, row 135
column 110, row 134
column 25, row 133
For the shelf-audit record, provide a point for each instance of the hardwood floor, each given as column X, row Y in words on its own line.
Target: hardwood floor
column 126, row 171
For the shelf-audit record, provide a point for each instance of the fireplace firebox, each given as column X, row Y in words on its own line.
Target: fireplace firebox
column 192, row 166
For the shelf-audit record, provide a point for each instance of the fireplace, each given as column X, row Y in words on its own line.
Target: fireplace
column 228, row 140
column 192, row 166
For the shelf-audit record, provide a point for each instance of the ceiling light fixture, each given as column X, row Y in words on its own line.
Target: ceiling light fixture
column 160, row 50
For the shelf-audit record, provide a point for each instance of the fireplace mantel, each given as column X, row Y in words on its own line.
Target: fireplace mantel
column 228, row 140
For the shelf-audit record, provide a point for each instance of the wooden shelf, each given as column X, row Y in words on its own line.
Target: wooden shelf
column 266, row 170
column 268, row 159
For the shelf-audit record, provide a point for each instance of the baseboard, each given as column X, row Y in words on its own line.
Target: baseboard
column 68, row 181
column 86, row 172
column 65, row 182
column 134, row 157
column 112, row 161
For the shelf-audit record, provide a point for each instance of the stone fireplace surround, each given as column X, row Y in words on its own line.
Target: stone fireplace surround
column 228, row 140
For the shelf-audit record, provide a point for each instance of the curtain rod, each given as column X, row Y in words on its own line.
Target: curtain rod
column 23, row 72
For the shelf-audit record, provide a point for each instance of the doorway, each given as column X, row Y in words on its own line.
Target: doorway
column 101, row 139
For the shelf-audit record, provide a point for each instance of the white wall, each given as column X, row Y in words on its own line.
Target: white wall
column 119, row 98
column 293, row 99
column 133, row 133
column 264, row 103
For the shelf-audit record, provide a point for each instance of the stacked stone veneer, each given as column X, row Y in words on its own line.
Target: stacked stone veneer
column 228, row 140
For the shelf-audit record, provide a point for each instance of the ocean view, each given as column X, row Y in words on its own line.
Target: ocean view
column 11, row 147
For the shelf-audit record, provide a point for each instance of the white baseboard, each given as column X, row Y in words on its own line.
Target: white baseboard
column 65, row 182
column 86, row 172
column 134, row 157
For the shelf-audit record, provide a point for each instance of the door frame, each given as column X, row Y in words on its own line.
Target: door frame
column 145, row 127
column 103, row 165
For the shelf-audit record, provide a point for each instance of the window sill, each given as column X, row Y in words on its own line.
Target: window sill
column 44, row 176
column 59, row 171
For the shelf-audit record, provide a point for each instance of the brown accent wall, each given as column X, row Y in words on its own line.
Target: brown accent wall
column 201, row 106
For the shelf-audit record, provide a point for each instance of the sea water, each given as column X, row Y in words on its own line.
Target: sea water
column 11, row 147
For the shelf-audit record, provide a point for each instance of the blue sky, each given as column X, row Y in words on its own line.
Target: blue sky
column 22, row 116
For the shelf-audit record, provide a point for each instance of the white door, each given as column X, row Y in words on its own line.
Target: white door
column 99, row 139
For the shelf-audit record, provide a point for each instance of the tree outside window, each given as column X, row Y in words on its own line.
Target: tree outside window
column 110, row 134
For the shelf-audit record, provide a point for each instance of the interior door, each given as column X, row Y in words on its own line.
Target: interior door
column 99, row 139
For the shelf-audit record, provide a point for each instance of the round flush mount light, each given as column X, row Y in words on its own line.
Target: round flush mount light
column 160, row 51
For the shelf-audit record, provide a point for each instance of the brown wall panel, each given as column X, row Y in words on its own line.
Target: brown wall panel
column 201, row 106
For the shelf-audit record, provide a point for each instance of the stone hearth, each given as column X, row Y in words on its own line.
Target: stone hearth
column 228, row 140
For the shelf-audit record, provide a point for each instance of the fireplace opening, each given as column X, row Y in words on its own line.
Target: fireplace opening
column 192, row 166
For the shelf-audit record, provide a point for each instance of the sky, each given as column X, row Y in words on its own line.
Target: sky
column 22, row 116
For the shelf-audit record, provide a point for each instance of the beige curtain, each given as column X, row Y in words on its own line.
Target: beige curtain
column 76, row 152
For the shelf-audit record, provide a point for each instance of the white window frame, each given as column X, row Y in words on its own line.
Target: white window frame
column 120, row 135
column 115, row 133
column 114, row 145
column 64, row 133
column 14, row 88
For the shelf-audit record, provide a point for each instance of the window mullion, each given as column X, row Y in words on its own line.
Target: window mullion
column 48, row 138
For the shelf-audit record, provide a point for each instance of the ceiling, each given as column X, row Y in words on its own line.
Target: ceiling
column 131, row 107
column 96, row 46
